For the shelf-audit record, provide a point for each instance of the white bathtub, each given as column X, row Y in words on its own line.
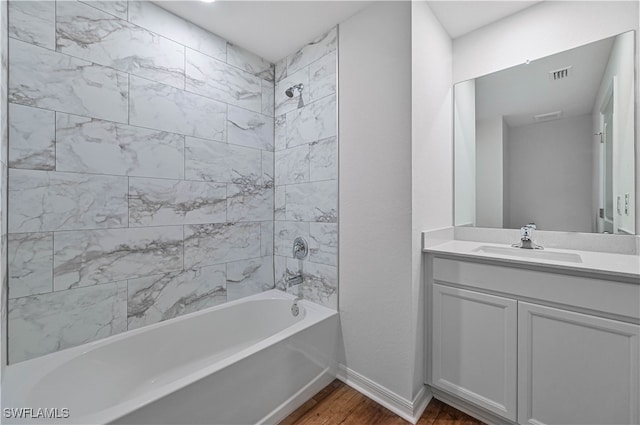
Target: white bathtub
column 248, row 361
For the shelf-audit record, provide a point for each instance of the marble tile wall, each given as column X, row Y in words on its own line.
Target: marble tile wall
column 141, row 170
column 4, row 151
column 306, row 169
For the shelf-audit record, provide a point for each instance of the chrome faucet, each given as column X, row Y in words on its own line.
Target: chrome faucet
column 295, row 280
column 300, row 251
column 526, row 242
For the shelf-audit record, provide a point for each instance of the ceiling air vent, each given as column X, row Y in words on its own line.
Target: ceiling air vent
column 560, row 74
column 548, row 117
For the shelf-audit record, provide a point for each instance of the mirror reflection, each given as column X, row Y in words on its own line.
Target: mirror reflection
column 550, row 142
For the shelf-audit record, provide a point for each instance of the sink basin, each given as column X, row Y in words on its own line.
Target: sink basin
column 533, row 254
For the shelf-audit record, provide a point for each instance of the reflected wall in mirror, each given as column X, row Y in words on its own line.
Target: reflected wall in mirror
column 550, row 142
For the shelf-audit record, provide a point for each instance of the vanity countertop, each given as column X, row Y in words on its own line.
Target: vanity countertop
column 603, row 264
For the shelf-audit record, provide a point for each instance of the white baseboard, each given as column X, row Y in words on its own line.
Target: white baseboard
column 409, row 410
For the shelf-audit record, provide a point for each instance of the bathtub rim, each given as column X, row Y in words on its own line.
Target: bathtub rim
column 25, row 375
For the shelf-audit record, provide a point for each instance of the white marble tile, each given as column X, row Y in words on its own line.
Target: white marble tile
column 43, row 324
column 208, row 244
column 91, row 34
column 115, row 7
column 249, row 277
column 267, row 169
column 312, row 51
column 156, row 298
column 83, row 258
column 313, row 201
column 220, row 162
column 249, row 203
column 280, row 271
column 320, row 283
column 324, row 159
column 284, row 234
column 89, row 145
column 323, row 243
column 249, row 129
column 266, row 238
column 284, row 103
column 32, row 134
column 33, row 22
column 280, row 70
column 268, row 97
column 4, row 65
column 154, row 18
column 313, row 122
column 292, row 165
column 30, row 264
column 280, row 131
column 48, row 200
column 40, row 77
column 217, row 80
column 250, row 62
column 322, row 77
column 160, row 202
column 280, row 203
column 159, row 106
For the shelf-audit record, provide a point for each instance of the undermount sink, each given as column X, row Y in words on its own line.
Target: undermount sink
column 533, row 254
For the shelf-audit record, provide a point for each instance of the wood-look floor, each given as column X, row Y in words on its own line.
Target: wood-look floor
column 338, row 404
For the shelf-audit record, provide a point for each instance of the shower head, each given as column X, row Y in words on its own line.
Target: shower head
column 290, row 91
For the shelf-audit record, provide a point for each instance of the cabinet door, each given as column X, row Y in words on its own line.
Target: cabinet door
column 474, row 348
column 575, row 368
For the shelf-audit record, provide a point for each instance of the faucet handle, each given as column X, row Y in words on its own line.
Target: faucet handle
column 526, row 232
column 300, row 248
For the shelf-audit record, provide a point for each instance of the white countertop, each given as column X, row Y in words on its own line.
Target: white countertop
column 625, row 266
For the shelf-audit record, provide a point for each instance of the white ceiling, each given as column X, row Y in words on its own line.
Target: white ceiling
column 275, row 29
column 461, row 17
column 523, row 91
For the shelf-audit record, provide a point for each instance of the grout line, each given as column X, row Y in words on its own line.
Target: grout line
column 53, row 257
column 55, row 141
column 183, row 268
column 128, row 99
column 128, row 201
column 107, row 12
column 184, row 158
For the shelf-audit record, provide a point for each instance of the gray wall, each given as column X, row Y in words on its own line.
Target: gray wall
column 549, row 174
column 489, row 172
column 375, row 194
column 395, row 182
column 141, row 171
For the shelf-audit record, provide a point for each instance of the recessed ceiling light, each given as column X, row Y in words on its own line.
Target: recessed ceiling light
column 207, row 1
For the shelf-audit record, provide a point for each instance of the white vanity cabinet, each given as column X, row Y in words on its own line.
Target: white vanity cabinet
column 532, row 346
column 475, row 337
column 576, row 368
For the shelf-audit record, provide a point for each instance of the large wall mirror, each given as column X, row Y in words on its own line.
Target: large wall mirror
column 550, row 142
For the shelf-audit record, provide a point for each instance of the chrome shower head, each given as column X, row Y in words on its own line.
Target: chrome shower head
column 290, row 91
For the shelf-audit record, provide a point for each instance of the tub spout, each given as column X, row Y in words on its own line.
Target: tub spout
column 296, row 280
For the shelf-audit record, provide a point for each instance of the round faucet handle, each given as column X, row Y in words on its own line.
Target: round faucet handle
column 526, row 232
